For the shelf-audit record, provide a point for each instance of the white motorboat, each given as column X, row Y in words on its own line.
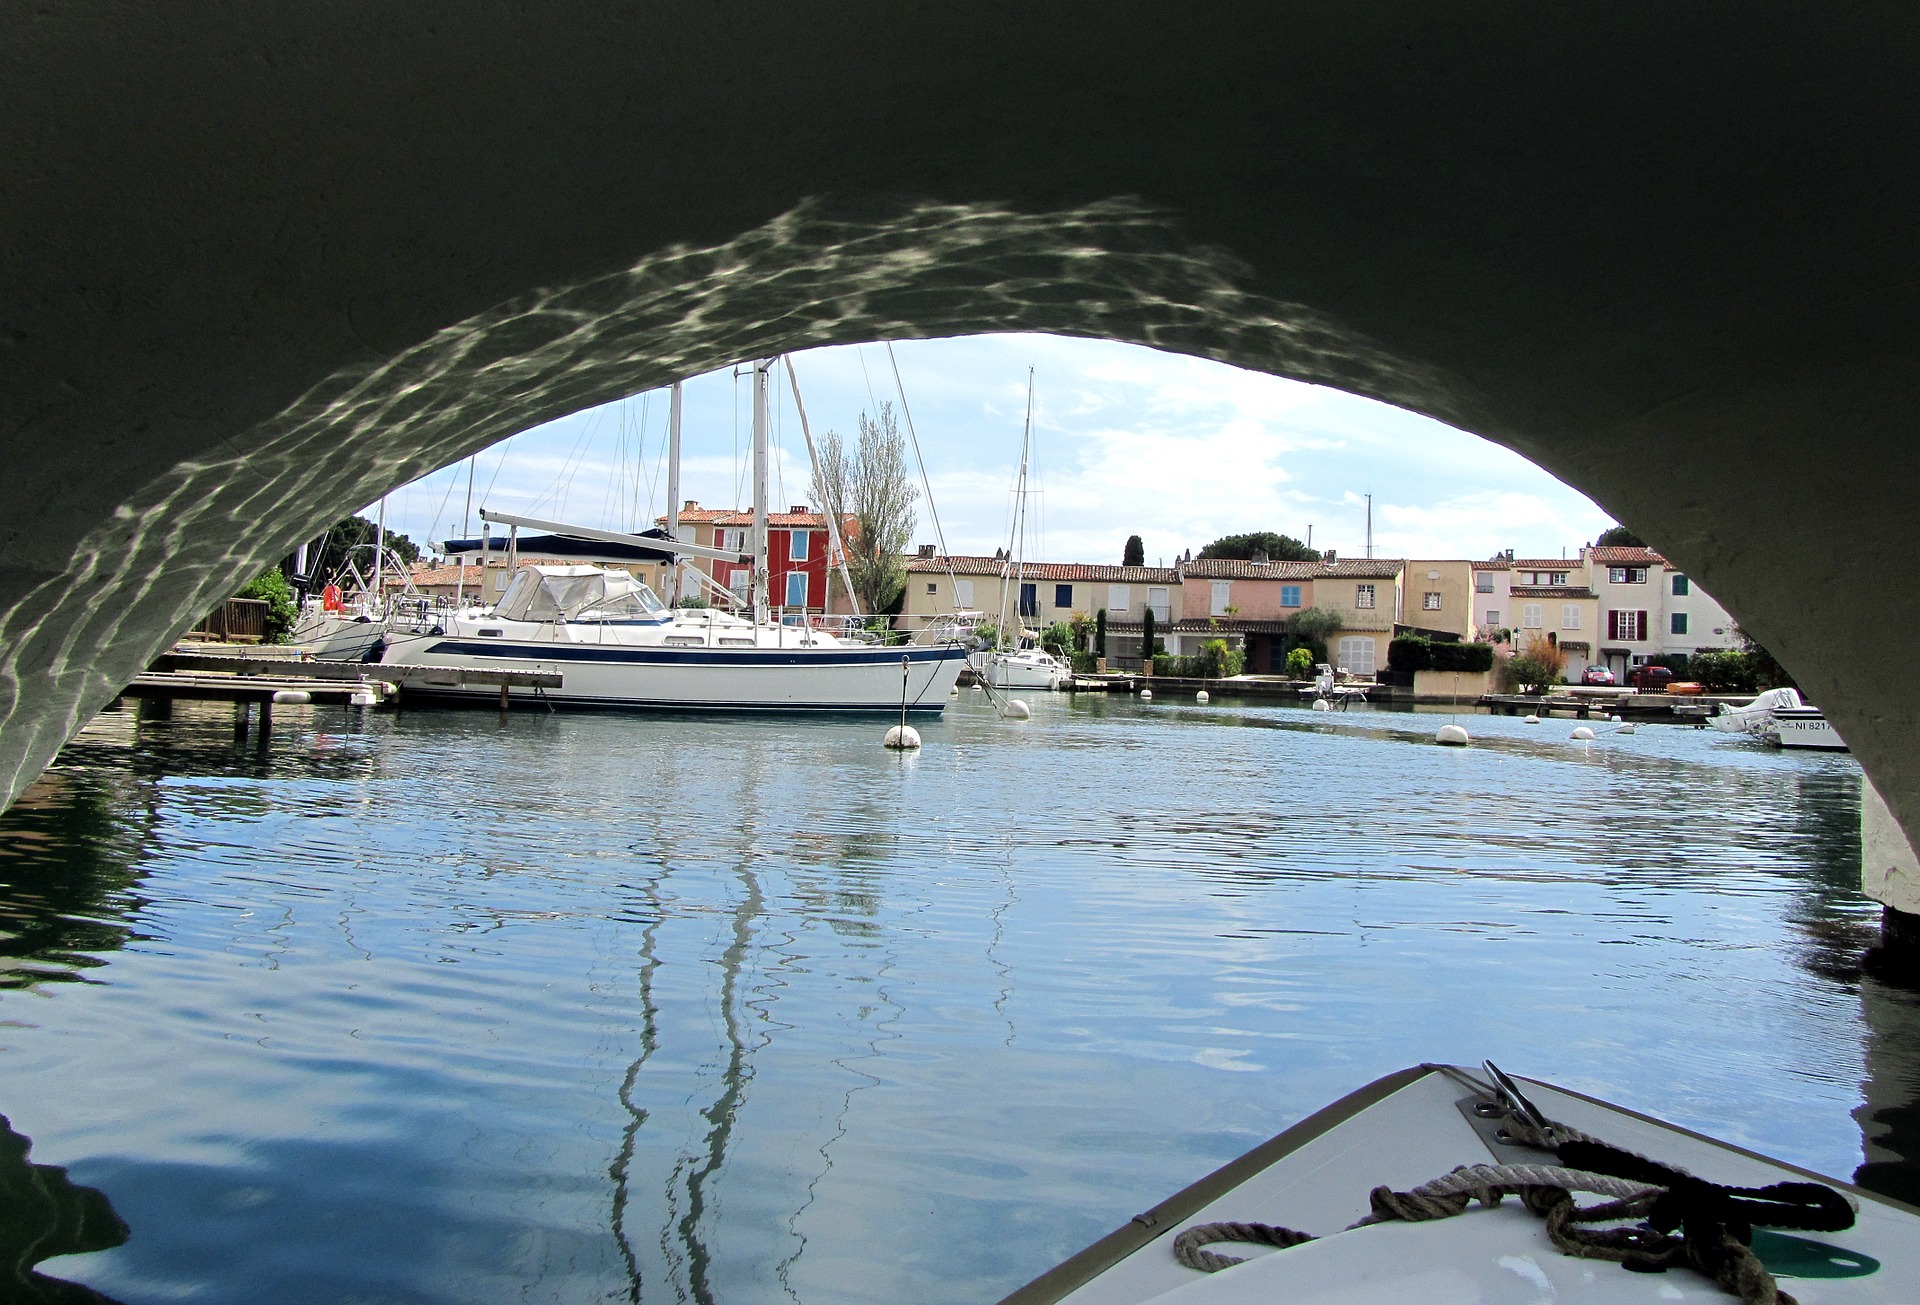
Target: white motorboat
column 1803, row 727
column 1395, row 1195
column 1029, row 668
column 1757, row 716
column 615, row 644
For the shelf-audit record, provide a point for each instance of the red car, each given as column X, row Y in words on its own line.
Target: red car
column 1650, row 679
column 1597, row 675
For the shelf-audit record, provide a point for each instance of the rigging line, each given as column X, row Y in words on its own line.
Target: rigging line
column 739, row 468
column 505, row 449
column 938, row 533
column 860, row 352
column 575, row 461
column 447, row 498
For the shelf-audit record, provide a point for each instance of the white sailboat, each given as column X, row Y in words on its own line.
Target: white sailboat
column 1009, row 665
column 615, row 643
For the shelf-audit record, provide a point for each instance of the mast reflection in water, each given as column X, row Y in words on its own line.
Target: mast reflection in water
column 450, row 1007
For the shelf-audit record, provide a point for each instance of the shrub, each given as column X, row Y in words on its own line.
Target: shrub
column 1300, row 664
column 1539, row 666
column 1058, row 639
column 272, row 588
column 1413, row 652
column 1724, row 670
column 1085, row 663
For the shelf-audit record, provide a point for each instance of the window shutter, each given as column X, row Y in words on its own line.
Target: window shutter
column 1613, row 624
column 1641, row 630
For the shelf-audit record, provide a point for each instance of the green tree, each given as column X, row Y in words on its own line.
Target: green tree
column 351, row 539
column 1100, row 633
column 1082, row 626
column 1135, row 553
column 870, row 484
column 1278, row 548
column 274, row 589
column 1619, row 537
column 1312, row 627
column 1768, row 673
column 1058, row 639
column 1148, row 644
column 1300, row 664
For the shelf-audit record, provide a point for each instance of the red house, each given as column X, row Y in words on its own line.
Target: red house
column 796, row 552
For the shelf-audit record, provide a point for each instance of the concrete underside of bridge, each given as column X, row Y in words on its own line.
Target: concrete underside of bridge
column 264, row 261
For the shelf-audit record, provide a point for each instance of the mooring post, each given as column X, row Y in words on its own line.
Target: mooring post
column 504, row 687
column 240, row 710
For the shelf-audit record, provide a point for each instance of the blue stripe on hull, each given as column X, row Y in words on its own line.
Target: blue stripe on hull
column 488, row 697
column 576, row 652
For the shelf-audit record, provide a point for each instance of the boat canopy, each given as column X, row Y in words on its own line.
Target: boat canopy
column 560, row 546
column 575, row 593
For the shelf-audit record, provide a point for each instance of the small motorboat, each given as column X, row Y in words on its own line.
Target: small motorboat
column 1757, row 716
column 1803, row 727
column 1447, row 1186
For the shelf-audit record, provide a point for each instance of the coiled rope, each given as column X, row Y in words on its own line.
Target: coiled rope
column 1714, row 1222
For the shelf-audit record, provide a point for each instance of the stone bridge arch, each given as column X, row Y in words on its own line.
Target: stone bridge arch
column 265, row 261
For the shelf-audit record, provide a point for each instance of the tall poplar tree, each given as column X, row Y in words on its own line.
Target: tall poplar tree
column 869, row 483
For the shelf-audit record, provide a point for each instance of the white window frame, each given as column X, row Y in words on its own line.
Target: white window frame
column 1570, row 616
column 801, row 576
column 1483, row 582
column 1363, row 598
column 1119, row 598
column 1222, row 597
column 1430, row 600
column 1493, row 620
column 1160, row 602
column 798, row 544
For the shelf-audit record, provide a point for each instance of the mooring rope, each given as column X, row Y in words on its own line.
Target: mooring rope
column 1715, row 1222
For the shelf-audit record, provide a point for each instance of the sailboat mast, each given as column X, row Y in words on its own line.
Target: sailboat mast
column 1020, row 546
column 759, row 586
column 379, row 554
column 673, row 487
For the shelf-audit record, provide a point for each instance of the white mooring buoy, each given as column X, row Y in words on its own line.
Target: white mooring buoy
column 1624, row 729
column 1454, row 736
column 291, row 697
column 1321, row 704
column 1017, row 710
column 1531, row 720
column 1583, row 733
column 903, row 738
column 1146, row 695
column 1202, row 696
column 1614, row 719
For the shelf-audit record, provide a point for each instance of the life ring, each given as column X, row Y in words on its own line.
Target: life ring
column 330, row 599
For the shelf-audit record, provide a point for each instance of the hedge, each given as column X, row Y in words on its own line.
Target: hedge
column 1412, row 652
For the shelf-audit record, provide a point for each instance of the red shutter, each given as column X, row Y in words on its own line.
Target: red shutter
column 1641, row 617
column 1613, row 624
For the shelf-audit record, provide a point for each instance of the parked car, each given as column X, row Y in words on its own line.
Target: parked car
column 1650, row 679
column 1597, row 675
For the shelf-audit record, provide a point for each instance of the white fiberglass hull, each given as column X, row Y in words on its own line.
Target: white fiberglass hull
column 1417, row 1126
column 1805, row 727
column 1015, row 673
column 846, row 678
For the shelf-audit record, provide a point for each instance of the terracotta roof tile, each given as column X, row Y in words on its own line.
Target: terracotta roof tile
column 1361, row 568
column 990, row 566
column 1616, row 556
column 1225, row 568
column 1547, row 564
column 1552, row 591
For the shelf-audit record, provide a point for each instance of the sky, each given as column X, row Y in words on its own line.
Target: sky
column 1127, row 440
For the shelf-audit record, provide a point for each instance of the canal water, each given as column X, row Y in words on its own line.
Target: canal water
column 446, row 1006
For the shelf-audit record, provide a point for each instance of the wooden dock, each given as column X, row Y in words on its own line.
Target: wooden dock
column 266, row 678
column 1676, row 708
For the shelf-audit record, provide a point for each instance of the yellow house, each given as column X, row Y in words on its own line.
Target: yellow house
column 1439, row 596
column 1045, row 592
column 1553, row 599
column 1366, row 594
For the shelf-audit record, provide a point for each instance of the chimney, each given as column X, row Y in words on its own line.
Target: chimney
column 1260, row 557
column 693, row 505
column 799, row 509
column 1328, row 556
column 926, row 552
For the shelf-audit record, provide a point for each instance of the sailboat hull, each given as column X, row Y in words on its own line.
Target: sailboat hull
column 702, row 679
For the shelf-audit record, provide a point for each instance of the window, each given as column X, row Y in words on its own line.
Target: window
column 797, row 544
column 1430, row 601
column 1493, row 620
column 1630, row 627
column 797, row 588
column 738, row 581
column 1222, row 597
column 1118, row 597
column 933, row 586
column 1483, row 582
column 730, row 541
column 1356, row 654
column 1627, row 575
column 962, row 594
column 1556, row 577
column 1530, row 616
column 1680, row 586
column 1159, row 603
column 1289, row 595
column 1063, row 595
column 1029, row 599
column 1570, row 616
column 1363, row 596
column 1677, row 623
